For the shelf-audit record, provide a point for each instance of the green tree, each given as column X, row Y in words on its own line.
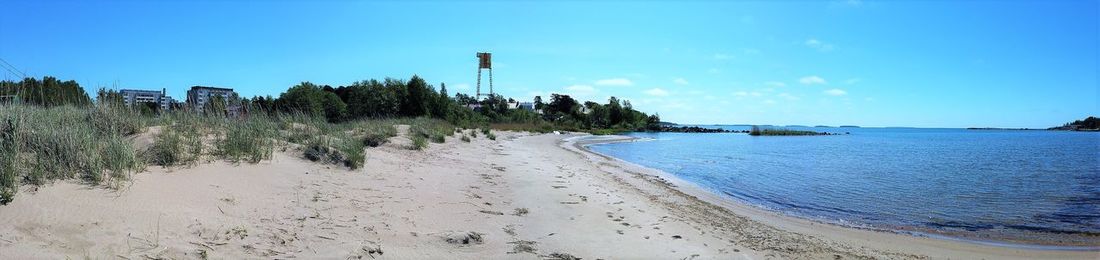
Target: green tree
column 614, row 111
column 304, row 97
column 335, row 109
column 416, row 103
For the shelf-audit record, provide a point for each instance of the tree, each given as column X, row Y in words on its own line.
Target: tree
column 47, row 92
column 597, row 115
column 304, row 97
column 109, row 97
column 538, row 103
column 614, row 111
column 443, row 104
column 416, row 103
column 311, row 99
column 335, row 109
column 653, row 123
column 562, row 104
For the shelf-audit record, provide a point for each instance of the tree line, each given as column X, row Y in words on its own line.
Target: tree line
column 388, row 98
column 46, row 92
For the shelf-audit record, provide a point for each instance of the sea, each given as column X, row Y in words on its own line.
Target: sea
column 1019, row 185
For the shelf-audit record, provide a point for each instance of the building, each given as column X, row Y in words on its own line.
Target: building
column 529, row 106
column 199, row 96
column 134, row 96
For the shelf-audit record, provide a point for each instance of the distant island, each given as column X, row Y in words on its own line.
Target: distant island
column 695, row 129
column 1089, row 124
column 758, row 131
column 1000, row 128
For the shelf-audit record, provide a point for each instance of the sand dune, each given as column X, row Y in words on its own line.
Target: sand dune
column 522, row 196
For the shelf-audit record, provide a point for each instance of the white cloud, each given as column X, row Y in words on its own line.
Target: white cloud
column 658, row 92
column 769, row 101
column 614, row 82
column 852, row 81
column 581, row 89
column 680, row 81
column 756, row 94
column 818, row 45
column 810, row 80
column 775, row 84
column 714, row 71
column 835, row 92
column 722, row 56
column 740, row 93
column 788, row 96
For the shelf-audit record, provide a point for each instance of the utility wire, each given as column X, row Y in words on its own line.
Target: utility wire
column 12, row 67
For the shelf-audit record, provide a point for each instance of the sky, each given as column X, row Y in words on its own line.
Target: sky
column 867, row 63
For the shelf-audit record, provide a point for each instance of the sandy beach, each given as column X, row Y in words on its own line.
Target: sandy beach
column 522, row 196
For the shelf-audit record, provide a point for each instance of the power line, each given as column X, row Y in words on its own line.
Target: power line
column 10, row 67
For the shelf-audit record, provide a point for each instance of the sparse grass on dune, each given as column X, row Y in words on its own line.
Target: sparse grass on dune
column 422, row 130
column 43, row 144
column 93, row 144
column 537, row 127
column 251, row 139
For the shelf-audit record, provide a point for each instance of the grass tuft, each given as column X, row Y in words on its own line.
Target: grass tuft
column 419, row 142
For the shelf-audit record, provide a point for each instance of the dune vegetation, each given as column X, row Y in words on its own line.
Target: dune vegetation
column 52, row 130
column 94, row 144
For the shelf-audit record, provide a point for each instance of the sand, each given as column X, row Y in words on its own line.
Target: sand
column 522, row 196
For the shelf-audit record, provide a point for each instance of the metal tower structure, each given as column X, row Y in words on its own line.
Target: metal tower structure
column 485, row 61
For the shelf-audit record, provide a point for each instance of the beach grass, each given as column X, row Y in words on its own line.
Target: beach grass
column 43, row 144
column 419, row 142
column 94, row 143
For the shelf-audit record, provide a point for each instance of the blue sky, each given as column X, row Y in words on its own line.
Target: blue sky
column 893, row 63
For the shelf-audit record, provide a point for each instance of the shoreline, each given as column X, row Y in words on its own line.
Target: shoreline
column 795, row 223
column 520, row 196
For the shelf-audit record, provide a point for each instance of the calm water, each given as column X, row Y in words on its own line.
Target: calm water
column 935, row 179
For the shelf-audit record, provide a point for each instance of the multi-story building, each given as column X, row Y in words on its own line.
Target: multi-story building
column 134, row 96
column 199, row 96
column 529, row 106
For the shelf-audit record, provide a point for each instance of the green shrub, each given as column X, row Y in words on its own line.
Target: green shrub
column 318, row 152
column 485, row 131
column 438, row 138
column 465, row 138
column 419, row 142
column 491, row 136
column 374, row 140
column 343, row 150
